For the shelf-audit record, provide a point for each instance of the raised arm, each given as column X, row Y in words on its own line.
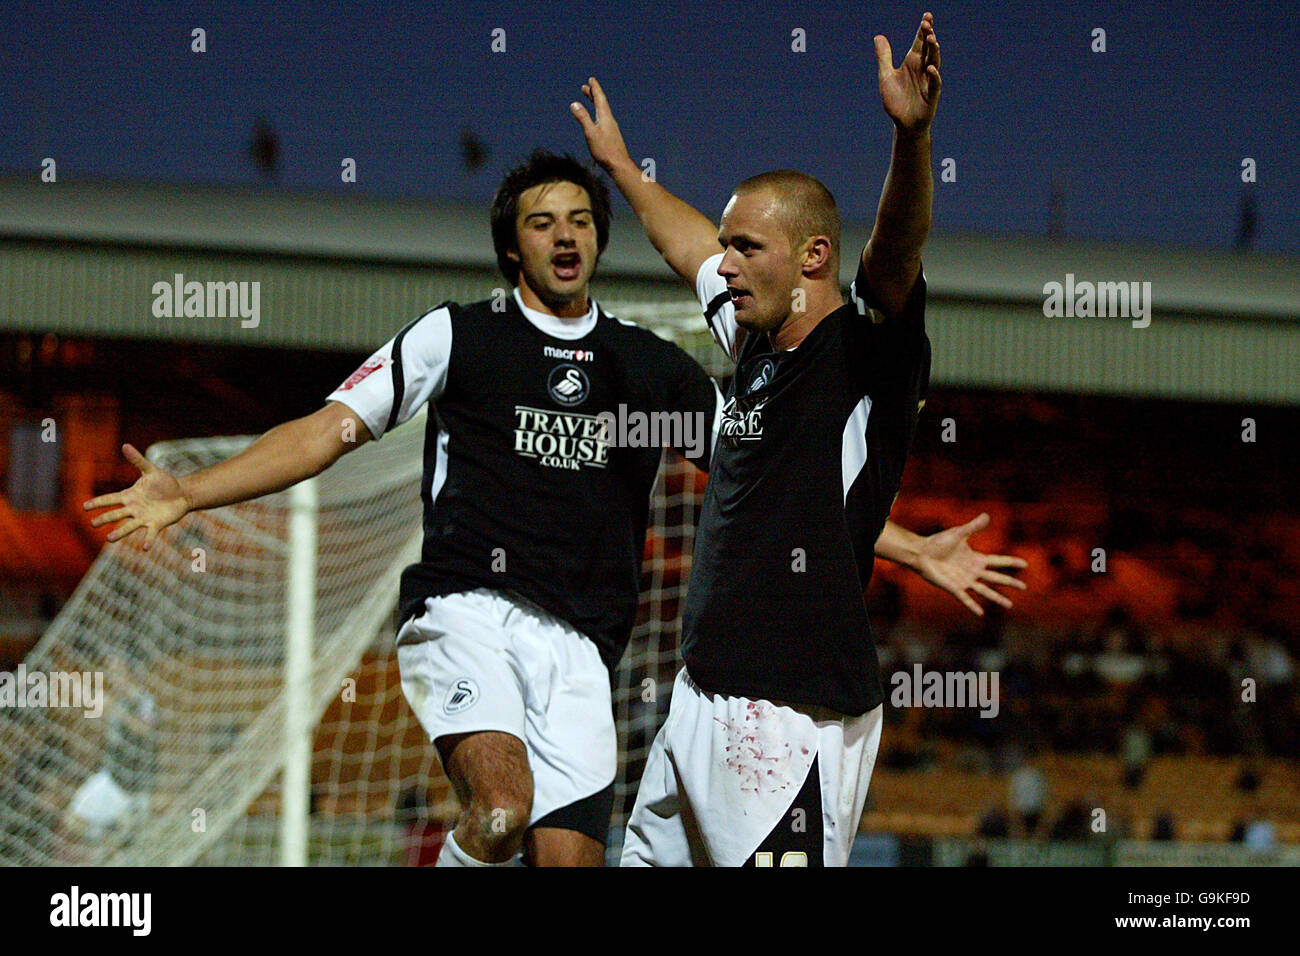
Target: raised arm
column 683, row 235
column 387, row 390
column 947, row 561
column 282, row 457
column 910, row 95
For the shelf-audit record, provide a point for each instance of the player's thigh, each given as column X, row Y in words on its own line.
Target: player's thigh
column 819, row 826
column 846, row 756
column 462, row 678
column 745, row 770
column 487, row 768
column 798, row 838
column 569, row 725
column 661, row 830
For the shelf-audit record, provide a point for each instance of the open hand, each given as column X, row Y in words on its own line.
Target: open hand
column 151, row 504
column 949, row 562
column 911, row 93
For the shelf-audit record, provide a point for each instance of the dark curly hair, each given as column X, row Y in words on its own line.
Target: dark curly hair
column 543, row 166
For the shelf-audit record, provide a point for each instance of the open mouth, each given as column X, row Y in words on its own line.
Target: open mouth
column 740, row 297
column 567, row 265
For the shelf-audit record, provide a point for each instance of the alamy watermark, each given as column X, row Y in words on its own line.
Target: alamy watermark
column 208, row 300
column 75, row 908
column 78, row 690
column 1084, row 299
column 921, row 688
column 687, row 431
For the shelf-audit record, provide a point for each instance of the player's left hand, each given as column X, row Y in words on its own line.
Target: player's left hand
column 949, row 562
column 911, row 93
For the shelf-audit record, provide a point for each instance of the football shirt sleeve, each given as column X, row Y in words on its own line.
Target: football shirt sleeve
column 409, row 370
column 711, row 290
column 862, row 297
column 890, row 353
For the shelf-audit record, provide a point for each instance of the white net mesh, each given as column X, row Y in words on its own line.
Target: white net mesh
column 183, row 765
column 187, row 643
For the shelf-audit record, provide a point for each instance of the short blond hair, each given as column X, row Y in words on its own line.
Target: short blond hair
column 804, row 206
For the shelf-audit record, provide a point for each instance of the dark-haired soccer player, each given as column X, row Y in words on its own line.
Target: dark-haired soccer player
column 775, row 720
column 526, row 591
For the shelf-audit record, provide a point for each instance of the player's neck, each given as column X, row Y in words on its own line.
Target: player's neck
column 575, row 308
column 798, row 325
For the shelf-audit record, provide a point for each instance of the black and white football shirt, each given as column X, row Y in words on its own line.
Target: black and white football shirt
column 526, row 488
column 809, row 459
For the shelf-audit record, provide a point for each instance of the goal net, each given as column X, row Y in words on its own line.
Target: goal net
column 184, row 652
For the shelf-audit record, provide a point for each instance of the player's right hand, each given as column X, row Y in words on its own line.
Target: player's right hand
column 151, row 504
column 604, row 138
column 910, row 94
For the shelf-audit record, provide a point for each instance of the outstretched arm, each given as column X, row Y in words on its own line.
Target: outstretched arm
column 683, row 235
column 947, row 561
column 910, row 95
column 282, row 457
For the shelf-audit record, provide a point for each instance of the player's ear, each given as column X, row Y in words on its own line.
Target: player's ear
column 816, row 253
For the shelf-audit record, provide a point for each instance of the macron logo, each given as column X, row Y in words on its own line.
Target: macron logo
column 576, row 355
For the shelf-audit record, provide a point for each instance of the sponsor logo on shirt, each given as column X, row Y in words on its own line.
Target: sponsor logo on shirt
column 568, row 385
column 568, row 440
column 372, row 364
column 741, row 421
column 575, row 355
column 462, row 696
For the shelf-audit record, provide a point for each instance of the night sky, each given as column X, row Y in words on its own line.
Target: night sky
column 1145, row 141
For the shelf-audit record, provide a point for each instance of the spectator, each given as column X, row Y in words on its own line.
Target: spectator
column 1028, row 797
column 1269, row 661
column 1260, row 836
column 1135, row 754
column 1074, row 822
column 994, row 824
column 1259, row 833
column 1117, row 664
column 1163, row 829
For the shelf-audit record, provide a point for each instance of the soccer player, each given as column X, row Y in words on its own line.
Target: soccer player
column 775, row 720
column 526, row 591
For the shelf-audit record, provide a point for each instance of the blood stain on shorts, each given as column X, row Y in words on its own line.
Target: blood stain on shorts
column 754, row 753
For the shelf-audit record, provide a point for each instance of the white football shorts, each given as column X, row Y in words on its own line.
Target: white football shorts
column 487, row 660
column 731, row 781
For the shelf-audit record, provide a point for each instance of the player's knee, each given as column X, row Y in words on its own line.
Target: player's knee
column 499, row 818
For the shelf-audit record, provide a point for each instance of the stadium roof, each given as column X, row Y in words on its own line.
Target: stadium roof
column 337, row 271
column 270, row 221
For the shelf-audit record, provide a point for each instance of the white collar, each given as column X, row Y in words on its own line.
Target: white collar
column 555, row 326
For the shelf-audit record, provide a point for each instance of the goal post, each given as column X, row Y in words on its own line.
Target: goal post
column 300, row 631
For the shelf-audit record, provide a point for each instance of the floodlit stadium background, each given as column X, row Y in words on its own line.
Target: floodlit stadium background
column 1169, row 451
